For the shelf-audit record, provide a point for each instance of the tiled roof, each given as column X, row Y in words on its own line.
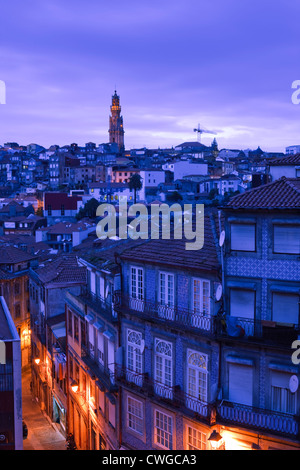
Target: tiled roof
column 63, row 270
column 18, row 207
column 13, row 255
column 283, row 193
column 56, row 200
column 67, row 227
column 289, row 160
column 173, row 253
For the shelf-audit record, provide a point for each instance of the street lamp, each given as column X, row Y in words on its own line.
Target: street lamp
column 74, row 386
column 215, row 440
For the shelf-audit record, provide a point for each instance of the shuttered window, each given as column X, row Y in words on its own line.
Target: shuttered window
column 240, row 384
column 286, row 308
column 243, row 237
column 282, row 399
column 286, row 239
column 242, row 303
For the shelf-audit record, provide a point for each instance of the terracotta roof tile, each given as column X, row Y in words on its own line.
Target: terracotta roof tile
column 63, row 270
column 283, row 193
column 289, row 160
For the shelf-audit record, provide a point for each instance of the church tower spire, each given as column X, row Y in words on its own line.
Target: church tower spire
column 116, row 129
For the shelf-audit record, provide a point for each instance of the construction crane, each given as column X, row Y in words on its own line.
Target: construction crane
column 202, row 131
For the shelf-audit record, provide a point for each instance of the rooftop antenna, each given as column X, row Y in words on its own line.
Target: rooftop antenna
column 202, row 131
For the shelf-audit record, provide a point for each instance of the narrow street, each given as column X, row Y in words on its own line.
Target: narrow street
column 42, row 435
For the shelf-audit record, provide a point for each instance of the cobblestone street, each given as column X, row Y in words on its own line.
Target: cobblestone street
column 42, row 434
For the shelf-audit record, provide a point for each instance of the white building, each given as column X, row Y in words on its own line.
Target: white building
column 184, row 168
column 285, row 166
column 150, row 179
column 292, row 150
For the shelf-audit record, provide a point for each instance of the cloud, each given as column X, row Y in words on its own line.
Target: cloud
column 226, row 64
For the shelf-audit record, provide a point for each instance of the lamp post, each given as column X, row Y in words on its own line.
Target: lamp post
column 216, row 440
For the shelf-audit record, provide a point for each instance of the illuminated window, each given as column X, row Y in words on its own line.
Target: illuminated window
column 196, row 440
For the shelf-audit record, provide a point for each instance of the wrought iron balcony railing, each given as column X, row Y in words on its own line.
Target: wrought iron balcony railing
column 174, row 395
column 247, row 328
column 172, row 314
column 258, row 419
column 98, row 303
column 103, row 372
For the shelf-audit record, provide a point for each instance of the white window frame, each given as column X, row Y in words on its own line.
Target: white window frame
column 137, row 284
column 163, row 367
column 195, row 439
column 200, row 286
column 135, row 415
column 163, row 430
column 197, row 364
column 134, row 356
column 168, row 297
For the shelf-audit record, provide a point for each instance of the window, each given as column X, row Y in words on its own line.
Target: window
column 112, row 414
column 240, row 384
column 17, row 288
column 282, row 399
column 163, row 430
column 134, row 356
column 135, row 415
column 137, row 283
column 166, row 289
column 49, row 210
column 286, row 308
column 76, row 329
column 62, row 210
column 287, row 239
column 201, row 296
column 243, row 237
column 6, row 377
column 70, row 324
column 163, row 368
column 242, row 303
column 196, row 440
column 197, row 375
column 102, row 442
column 83, row 333
column 100, row 345
column 17, row 311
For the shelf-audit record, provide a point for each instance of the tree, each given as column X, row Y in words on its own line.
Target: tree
column 89, row 210
column 135, row 183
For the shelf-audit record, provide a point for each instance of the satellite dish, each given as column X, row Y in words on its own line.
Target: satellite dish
column 222, row 238
column 219, row 292
column 294, row 384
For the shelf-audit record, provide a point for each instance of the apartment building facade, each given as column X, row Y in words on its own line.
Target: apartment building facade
column 260, row 396
column 11, row 429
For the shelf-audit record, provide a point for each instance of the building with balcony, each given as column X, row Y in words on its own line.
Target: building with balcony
column 92, row 354
column 11, row 430
column 47, row 288
column 259, row 397
column 168, row 376
column 14, row 287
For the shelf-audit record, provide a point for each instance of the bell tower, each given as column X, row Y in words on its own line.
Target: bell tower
column 116, row 129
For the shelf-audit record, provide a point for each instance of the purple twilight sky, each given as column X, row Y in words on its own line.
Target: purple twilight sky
column 226, row 64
